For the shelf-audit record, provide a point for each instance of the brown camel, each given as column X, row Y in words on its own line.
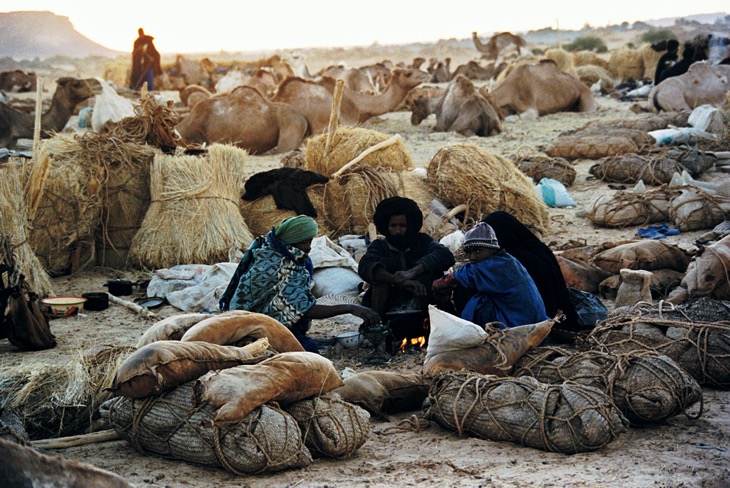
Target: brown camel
column 23, row 466
column 461, row 108
column 497, row 43
column 355, row 79
column 69, row 93
column 17, row 81
column 702, row 84
column 474, row 71
column 245, row 118
column 313, row 99
column 542, row 88
column 440, row 70
column 191, row 95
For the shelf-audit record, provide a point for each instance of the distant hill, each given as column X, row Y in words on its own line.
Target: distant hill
column 39, row 34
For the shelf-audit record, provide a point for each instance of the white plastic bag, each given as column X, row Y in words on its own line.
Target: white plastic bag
column 451, row 333
column 554, row 193
column 110, row 106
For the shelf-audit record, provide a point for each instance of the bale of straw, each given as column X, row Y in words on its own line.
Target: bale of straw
column 62, row 232
column 58, row 401
column 484, row 182
column 649, row 58
column 599, row 142
column 13, row 221
column 193, row 215
column 365, row 187
column 328, row 200
column 539, row 167
column 591, row 74
column 347, row 143
column 589, row 58
column 626, row 63
column 562, row 58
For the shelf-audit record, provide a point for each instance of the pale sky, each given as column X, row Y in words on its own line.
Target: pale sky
column 184, row 26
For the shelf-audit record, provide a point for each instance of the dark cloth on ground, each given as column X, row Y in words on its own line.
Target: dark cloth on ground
column 288, row 186
column 539, row 261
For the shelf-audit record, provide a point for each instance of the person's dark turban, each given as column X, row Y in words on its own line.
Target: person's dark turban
column 398, row 206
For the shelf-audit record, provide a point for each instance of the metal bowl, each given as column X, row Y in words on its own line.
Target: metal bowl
column 349, row 340
column 66, row 306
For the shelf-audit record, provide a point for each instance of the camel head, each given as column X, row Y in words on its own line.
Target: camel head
column 421, row 110
column 77, row 90
column 408, row 78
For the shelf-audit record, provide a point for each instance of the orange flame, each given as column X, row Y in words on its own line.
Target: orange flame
column 414, row 342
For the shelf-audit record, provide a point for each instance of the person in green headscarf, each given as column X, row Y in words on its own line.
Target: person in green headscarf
column 274, row 278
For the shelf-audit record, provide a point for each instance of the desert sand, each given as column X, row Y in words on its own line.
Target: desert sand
column 407, row 451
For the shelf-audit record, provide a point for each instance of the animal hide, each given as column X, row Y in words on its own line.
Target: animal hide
column 385, row 392
column 288, row 186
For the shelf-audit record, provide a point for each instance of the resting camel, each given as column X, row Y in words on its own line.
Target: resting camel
column 702, row 84
column 461, row 108
column 497, row 43
column 474, row 71
column 69, row 93
column 313, row 99
column 354, row 78
column 440, row 70
column 191, row 95
column 244, row 118
column 542, row 88
column 17, row 81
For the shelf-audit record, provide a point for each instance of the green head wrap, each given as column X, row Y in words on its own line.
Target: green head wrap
column 296, row 229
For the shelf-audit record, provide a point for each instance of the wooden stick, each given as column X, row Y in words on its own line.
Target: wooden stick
column 132, row 306
column 77, row 440
column 366, row 152
column 36, row 185
column 334, row 115
column 38, row 115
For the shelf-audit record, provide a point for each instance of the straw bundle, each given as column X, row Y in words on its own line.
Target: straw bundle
column 591, row 74
column 69, row 206
column 524, row 59
column 117, row 72
column 589, row 58
column 563, row 59
column 626, row 63
column 650, row 58
column 485, row 182
column 193, row 215
column 13, row 221
column 57, row 401
column 328, row 200
column 347, row 143
column 364, row 189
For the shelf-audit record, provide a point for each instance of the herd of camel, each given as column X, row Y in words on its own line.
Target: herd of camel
column 273, row 110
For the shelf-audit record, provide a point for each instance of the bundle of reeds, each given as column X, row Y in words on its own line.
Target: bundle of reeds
column 193, row 215
column 13, row 220
column 54, row 401
column 348, row 143
column 485, row 182
column 625, row 63
column 591, row 74
column 563, row 59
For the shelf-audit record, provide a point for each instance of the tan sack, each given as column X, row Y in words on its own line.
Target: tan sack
column 287, row 377
column 626, row 208
column 233, row 326
column 171, row 328
column 385, row 392
column 695, row 209
column 581, row 275
column 648, row 255
column 163, row 365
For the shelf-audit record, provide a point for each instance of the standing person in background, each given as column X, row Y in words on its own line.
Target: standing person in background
column 539, row 261
column 145, row 62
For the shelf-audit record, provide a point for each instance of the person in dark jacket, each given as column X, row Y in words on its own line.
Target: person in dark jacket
column 401, row 267
column 539, row 261
column 667, row 60
column 681, row 67
column 145, row 62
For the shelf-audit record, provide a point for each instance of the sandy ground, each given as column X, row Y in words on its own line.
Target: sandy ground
column 679, row 452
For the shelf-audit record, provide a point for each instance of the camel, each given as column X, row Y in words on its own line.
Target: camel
column 702, row 84
column 69, row 93
column 245, row 118
column 17, row 81
column 23, row 466
column 461, row 108
column 497, row 43
column 191, row 95
column 474, row 71
column 354, row 78
column 440, row 70
column 541, row 88
column 313, row 99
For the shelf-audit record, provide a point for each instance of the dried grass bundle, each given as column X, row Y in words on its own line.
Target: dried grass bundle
column 347, row 143
column 153, row 124
column 591, row 74
column 589, row 58
column 562, row 58
column 649, row 58
column 57, row 401
column 62, row 231
column 626, row 63
column 365, row 187
column 485, row 182
column 328, row 200
column 193, row 215
column 13, row 220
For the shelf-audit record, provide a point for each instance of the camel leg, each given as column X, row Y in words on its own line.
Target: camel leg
column 290, row 137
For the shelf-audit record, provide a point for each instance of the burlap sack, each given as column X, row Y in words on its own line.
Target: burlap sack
column 172, row 426
column 626, row 208
column 654, row 169
column 163, row 365
column 647, row 255
column 331, row 426
column 171, row 328
column 707, row 274
column 599, row 142
column 500, row 351
column 581, row 275
column 233, row 326
column 287, row 377
column 385, row 392
column 539, row 167
column 662, row 282
column 567, row 418
column 645, row 386
column 693, row 209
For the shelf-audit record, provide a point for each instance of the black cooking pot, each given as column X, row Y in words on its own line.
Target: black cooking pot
column 119, row 287
column 96, row 301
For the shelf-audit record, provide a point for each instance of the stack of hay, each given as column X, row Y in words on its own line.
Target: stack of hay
column 485, row 182
column 13, row 220
column 193, row 215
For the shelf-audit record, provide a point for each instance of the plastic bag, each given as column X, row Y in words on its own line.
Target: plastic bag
column 554, row 193
column 589, row 307
column 110, row 106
